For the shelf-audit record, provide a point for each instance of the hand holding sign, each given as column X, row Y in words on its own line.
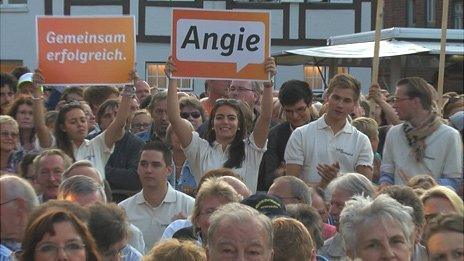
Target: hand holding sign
column 220, row 44
column 270, row 68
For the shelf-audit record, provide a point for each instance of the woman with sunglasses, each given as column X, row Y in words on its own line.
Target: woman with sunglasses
column 226, row 144
column 191, row 110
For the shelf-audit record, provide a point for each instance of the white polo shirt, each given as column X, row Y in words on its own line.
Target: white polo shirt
column 95, row 151
column 152, row 221
column 315, row 143
column 443, row 155
column 203, row 157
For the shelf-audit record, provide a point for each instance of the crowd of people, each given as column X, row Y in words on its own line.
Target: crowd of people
column 244, row 172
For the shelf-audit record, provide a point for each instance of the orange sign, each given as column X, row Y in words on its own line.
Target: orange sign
column 220, row 44
column 86, row 50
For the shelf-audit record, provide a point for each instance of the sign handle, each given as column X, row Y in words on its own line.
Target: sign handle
column 441, row 66
column 376, row 58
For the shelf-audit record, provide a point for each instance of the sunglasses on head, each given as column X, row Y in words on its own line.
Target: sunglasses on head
column 194, row 114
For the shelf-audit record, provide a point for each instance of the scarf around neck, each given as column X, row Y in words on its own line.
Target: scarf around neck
column 416, row 135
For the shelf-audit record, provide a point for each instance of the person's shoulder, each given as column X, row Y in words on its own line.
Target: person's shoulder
column 280, row 128
column 444, row 128
column 128, row 201
column 182, row 196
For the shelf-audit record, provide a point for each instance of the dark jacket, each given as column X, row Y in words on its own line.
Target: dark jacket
column 274, row 156
column 121, row 168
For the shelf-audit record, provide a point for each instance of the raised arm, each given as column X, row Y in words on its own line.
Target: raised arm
column 43, row 133
column 180, row 127
column 115, row 130
column 264, row 119
column 390, row 114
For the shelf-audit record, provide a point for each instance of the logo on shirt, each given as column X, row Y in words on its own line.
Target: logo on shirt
column 344, row 152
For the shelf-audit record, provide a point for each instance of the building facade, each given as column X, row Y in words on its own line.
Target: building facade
column 294, row 24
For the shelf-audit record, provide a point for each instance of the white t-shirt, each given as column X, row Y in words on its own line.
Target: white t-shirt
column 315, row 143
column 443, row 155
column 152, row 221
column 95, row 151
column 203, row 157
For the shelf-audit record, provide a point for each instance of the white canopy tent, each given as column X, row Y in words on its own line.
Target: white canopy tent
column 357, row 50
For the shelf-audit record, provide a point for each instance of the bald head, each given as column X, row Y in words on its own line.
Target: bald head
column 142, row 90
column 238, row 185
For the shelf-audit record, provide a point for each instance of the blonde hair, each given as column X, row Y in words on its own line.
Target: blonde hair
column 213, row 187
column 292, row 241
column 345, row 81
column 6, row 119
column 367, row 126
column 446, row 193
column 173, row 250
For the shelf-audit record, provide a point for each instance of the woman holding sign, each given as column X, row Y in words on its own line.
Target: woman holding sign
column 226, row 144
column 72, row 128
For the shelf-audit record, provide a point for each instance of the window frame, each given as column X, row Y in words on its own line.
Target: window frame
column 7, row 7
column 185, row 84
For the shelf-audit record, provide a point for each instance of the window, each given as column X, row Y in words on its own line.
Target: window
column 155, row 77
column 431, row 12
column 312, row 75
column 315, row 76
column 411, row 18
column 13, row 5
column 458, row 19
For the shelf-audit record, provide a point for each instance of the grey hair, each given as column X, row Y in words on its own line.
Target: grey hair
column 239, row 214
column 80, row 163
column 299, row 189
column 67, row 161
column 79, row 185
column 257, row 87
column 15, row 187
column 353, row 183
column 360, row 210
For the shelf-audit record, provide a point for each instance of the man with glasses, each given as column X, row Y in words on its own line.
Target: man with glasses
column 49, row 166
column 296, row 99
column 318, row 151
column 422, row 144
column 248, row 92
column 76, row 187
column 18, row 199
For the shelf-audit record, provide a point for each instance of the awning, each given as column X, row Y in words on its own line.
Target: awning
column 363, row 50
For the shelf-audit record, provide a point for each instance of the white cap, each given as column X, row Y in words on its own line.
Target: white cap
column 25, row 78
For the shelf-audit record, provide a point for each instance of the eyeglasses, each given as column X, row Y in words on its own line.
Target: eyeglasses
column 396, row 99
column 8, row 201
column 51, row 250
column 115, row 252
column 194, row 114
column 5, row 134
column 299, row 110
column 239, row 89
